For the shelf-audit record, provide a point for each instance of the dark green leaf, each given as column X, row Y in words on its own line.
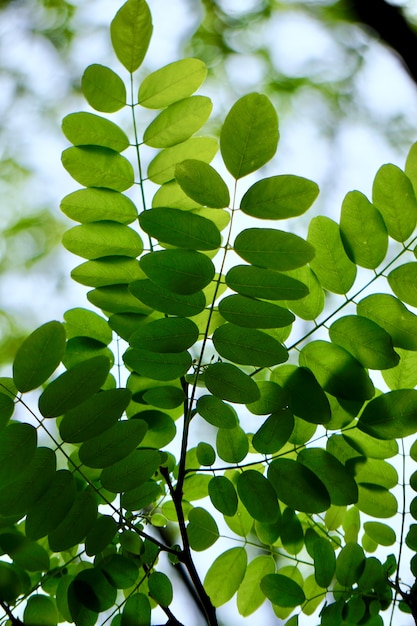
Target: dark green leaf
column 279, row 197
column 274, row 432
column 391, row 314
column 263, row 283
column 338, row 481
column 131, row 31
column 282, row 591
column 167, row 302
column 103, row 89
column 205, row 454
column 164, row 396
column 403, row 281
column 52, row 507
column 98, row 167
column 228, row 382
column 232, row 444
column 273, row 249
column 100, row 535
column 162, row 168
column 92, row 590
column 114, row 444
column 102, row 239
column 324, row 562
column 202, row 529
column 77, row 523
column 298, row 487
column 171, row 83
column 6, row 408
column 219, row 587
column 169, row 334
column 40, row 610
column 178, row 122
column 140, row 497
column 137, row 607
column 258, row 496
column 183, row 272
column 217, row 412
column 10, row 583
column 331, row 264
column 202, row 183
column 132, row 471
column 180, row 228
column 249, row 136
column 160, row 366
column 160, row 588
column 273, row 398
column 312, row 404
column 349, row 564
column 251, row 313
column 393, row 196
column 120, row 571
column 87, row 129
column 223, row 495
column 309, row 306
column 391, row 415
column 17, row 448
column 248, row 346
column 39, row 356
column 93, row 205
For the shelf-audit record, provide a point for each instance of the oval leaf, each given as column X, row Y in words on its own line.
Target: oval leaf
column 162, row 168
column 178, row 122
column 93, row 166
column 169, row 303
column 391, row 314
column 171, row 83
column 282, row 591
column 222, row 588
column 131, row 472
column 180, row 228
column 113, row 444
column 251, row 313
column 258, row 496
column 223, row 495
column 263, row 283
column 391, row 415
column 273, row 249
column 279, row 197
column 159, row 366
column 101, row 239
column 103, row 89
column 393, row 195
column 87, row 129
column 248, row 346
column 131, row 31
column 298, row 487
column 170, row 334
column 202, row 183
column 17, row 447
column 76, row 524
column 94, row 205
column 338, row 481
column 228, row 382
column 202, row 529
column 403, row 282
column 183, row 272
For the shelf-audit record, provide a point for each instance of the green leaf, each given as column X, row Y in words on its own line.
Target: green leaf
column 40, row 610
column 160, row 588
column 232, row 444
column 114, row 444
column 274, row 432
column 93, row 205
column 76, row 524
column 100, row 535
column 324, row 562
column 369, row 446
column 228, row 382
column 249, row 136
column 282, row 591
column 74, row 386
column 102, row 239
column 94, row 416
column 196, row 486
column 309, row 306
column 370, row 344
column 312, row 405
column 381, row 533
column 169, row 334
column 108, row 271
column 217, row 412
column 363, row 231
column 160, row 366
column 248, row 346
column 251, row 313
column 169, row 303
column 298, row 487
column 171, row 83
column 183, row 272
column 338, row 481
column 349, row 564
column 403, row 280
column 120, row 571
column 180, row 228
column 87, row 129
column 249, row 595
column 178, row 122
column 273, row 249
column 376, row 501
column 339, row 373
column 131, row 472
column 131, row 31
column 92, row 590
column 39, row 356
column 164, row 396
column 331, row 264
column 17, row 447
column 140, row 497
column 137, row 610
column 202, row 183
column 393, row 196
column 81, row 322
column 11, row 584
column 103, row 89
column 279, row 197
column 391, row 415
column 162, row 168
column 404, row 375
column 273, row 398
column 373, row 471
column 263, row 283
column 52, row 507
column 391, row 314
column 205, row 454
column 93, row 166
column 258, row 496
column 6, row 408
column 202, row 529
column 223, row 495
column 219, row 587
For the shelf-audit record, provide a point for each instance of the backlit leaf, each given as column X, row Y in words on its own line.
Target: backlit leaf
column 282, row 591
column 232, row 444
column 324, row 562
column 376, row 501
column 223, row 495
column 251, row 313
column 183, row 272
column 216, row 412
column 52, row 507
column 131, row 31
column 297, row 486
column 77, row 523
column 132, row 471
column 391, row 314
column 93, row 166
column 93, row 205
column 219, row 587
column 312, row 405
column 279, row 197
column 202, row 183
column 273, row 398
column 100, row 535
column 160, row 588
column 205, row 454
column 40, row 610
column 103, row 89
column 258, row 496
column 274, row 432
column 113, row 444
column 171, row 83
column 309, row 306
column 139, row 497
column 87, row 129
column 248, row 346
column 383, row 534
column 17, row 447
column 81, row 322
column 169, row 334
column 202, row 529
column 393, row 196
column 263, row 283
column 228, row 382
column 273, row 249
column 338, row 481
column 349, row 564
column 162, row 168
column 249, row 136
column 120, row 570
column 404, row 375
column 250, row 596
column 102, row 239
column 403, row 281
column 178, row 122
column 137, row 607
column 160, row 366
column 92, row 590
column 391, row 415
column 180, row 228
column 108, row 271
column 158, row 298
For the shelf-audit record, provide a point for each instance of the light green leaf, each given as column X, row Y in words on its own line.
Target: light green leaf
column 93, row 166
column 324, row 562
column 39, row 356
column 137, row 607
column 376, row 501
column 370, row 344
column 171, row 83
column 282, row 591
column 373, row 472
column 52, row 507
column 217, row 412
column 196, row 486
column 338, row 481
column 363, row 231
column 403, row 282
column 391, row 314
column 178, row 122
column 182, row 272
column 249, row 595
column 169, row 334
column 102, row 239
column 81, row 322
column 74, row 386
column 298, row 487
column 180, row 228
column 339, row 373
column 162, row 168
column 131, row 31
column 393, row 196
column 228, row 382
column 241, row 523
column 279, row 197
column 349, row 564
column 232, row 444
column 167, row 302
column 171, row 195
column 404, row 375
column 249, row 136
column 40, row 610
column 391, row 415
column 114, row 444
column 108, row 271
column 312, row 405
column 251, row 313
column 17, row 448
column 331, row 264
column 131, row 472
column 219, row 587
column 202, row 183
column 263, row 283
column 258, row 496
column 248, row 346
column 202, row 529
column 87, row 129
column 160, row 588
column 160, row 366
column 368, row 446
column 103, row 89
column 274, row 432
column 381, row 533
column 273, row 249
column 223, row 495
column 77, row 523
column 94, row 205
column 309, row 306
column 273, row 398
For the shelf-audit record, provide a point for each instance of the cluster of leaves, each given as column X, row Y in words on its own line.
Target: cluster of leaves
column 296, row 467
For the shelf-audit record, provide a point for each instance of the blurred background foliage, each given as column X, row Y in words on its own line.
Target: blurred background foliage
column 343, row 82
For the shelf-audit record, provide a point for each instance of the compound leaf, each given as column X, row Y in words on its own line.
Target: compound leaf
column 103, row 89
column 279, row 197
column 131, row 31
column 273, row 249
column 178, row 122
column 180, row 228
column 93, row 166
column 202, row 183
column 171, row 83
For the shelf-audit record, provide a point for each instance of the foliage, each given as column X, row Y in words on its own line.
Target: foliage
column 261, row 338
